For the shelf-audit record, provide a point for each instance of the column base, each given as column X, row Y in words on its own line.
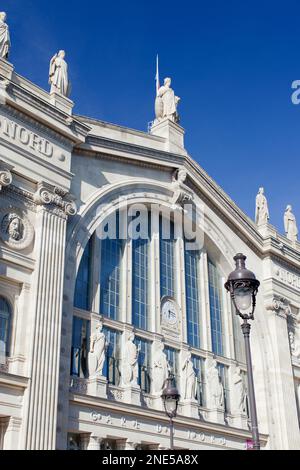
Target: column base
column 132, row 395
column 172, row 133
column 190, row 409
column 97, row 387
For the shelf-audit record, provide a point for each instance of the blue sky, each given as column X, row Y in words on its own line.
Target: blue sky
column 232, row 63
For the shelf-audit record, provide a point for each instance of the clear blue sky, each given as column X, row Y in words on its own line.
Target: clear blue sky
column 232, row 62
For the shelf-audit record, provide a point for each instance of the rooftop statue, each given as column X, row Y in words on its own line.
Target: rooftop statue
column 58, row 74
column 262, row 210
column 290, row 224
column 166, row 102
column 4, row 37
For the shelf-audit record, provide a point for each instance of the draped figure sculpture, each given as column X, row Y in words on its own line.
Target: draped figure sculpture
column 189, row 381
column 290, row 224
column 262, row 210
column 161, row 369
column 58, row 74
column 216, row 389
column 4, row 37
column 97, row 354
column 240, row 392
column 166, row 102
column 130, row 362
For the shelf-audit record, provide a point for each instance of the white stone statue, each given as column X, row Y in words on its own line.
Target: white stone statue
column 182, row 193
column 188, row 376
column 240, row 393
column 262, row 210
column 97, row 354
column 161, row 369
column 4, row 37
column 58, row 74
column 290, row 225
column 215, row 386
column 130, row 362
column 166, row 102
column 295, row 343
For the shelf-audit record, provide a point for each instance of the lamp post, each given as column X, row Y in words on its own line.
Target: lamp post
column 171, row 397
column 243, row 287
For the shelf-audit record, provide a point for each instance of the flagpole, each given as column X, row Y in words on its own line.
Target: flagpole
column 157, row 75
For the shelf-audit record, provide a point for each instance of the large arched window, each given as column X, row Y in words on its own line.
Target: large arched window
column 82, row 289
column 140, row 283
column 5, row 326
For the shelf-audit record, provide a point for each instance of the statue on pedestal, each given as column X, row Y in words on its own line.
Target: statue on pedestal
column 97, row 354
column 130, row 363
column 216, row 389
column 161, row 368
column 4, row 37
column 189, row 379
column 262, row 211
column 240, row 392
column 166, row 102
column 290, row 225
column 58, row 75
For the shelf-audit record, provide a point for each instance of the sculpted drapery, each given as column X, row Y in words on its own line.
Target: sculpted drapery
column 4, row 37
column 58, row 75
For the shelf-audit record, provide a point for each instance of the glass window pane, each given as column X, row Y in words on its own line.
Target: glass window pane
column 144, row 379
column 111, row 256
column 5, row 325
column 140, row 282
column 192, row 297
column 199, row 366
column 167, row 260
column 111, row 369
column 80, row 347
column 216, row 311
column 81, row 298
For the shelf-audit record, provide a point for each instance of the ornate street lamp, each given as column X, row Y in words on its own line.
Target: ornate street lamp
column 171, row 397
column 243, row 287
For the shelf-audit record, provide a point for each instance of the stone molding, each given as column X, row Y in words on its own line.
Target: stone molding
column 48, row 195
column 6, row 177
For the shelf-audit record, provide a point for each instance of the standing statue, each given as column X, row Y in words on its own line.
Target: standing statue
column 4, row 37
column 240, row 391
column 262, row 210
column 189, row 379
column 166, row 102
column 295, row 344
column 97, row 354
column 161, row 369
column 290, row 225
column 130, row 362
column 216, row 389
column 58, row 74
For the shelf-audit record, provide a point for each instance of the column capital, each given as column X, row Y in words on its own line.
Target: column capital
column 48, row 195
column 5, row 175
column 279, row 305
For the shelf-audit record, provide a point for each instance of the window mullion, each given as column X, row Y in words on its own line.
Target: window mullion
column 95, row 264
column 154, row 279
column 180, row 285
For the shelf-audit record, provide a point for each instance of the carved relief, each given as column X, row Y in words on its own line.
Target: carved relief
column 15, row 229
column 279, row 305
column 5, row 178
column 182, row 193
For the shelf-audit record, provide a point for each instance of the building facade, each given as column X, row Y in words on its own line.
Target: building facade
column 72, row 300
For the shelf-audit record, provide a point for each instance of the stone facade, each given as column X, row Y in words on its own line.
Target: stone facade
column 60, row 176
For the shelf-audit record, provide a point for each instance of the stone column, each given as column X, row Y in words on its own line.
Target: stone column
column 46, row 301
column 282, row 377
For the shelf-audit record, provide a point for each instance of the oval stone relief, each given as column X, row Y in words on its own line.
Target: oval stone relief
column 15, row 229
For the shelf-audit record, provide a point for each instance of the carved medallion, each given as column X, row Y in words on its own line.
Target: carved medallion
column 15, row 229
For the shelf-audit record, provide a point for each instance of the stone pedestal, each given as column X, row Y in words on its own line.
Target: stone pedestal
column 216, row 416
column 157, row 403
column 132, row 395
column 97, row 387
column 240, row 421
column 62, row 102
column 172, row 133
column 190, row 408
column 94, row 443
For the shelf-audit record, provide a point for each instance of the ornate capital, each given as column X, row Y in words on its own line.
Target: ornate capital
column 54, row 196
column 5, row 175
column 280, row 306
